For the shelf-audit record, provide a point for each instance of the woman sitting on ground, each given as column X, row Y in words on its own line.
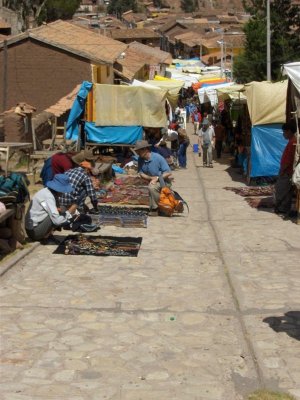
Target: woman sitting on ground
column 43, row 215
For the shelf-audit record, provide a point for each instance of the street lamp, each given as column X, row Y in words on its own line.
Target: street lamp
column 221, row 43
column 268, row 42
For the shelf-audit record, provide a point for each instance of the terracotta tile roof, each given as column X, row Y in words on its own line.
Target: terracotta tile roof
column 190, row 38
column 172, row 34
column 169, row 25
column 161, row 57
column 236, row 41
column 131, row 64
column 134, row 17
column 80, row 41
column 143, row 33
column 65, row 103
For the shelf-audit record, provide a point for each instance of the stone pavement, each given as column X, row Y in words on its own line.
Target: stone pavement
column 188, row 319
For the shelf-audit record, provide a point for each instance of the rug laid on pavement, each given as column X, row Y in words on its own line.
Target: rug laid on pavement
column 126, row 196
column 129, row 190
column 256, row 202
column 100, row 246
column 123, row 216
column 252, row 191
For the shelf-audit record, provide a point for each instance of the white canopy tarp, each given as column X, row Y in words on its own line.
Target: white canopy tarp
column 186, row 78
column 266, row 102
column 209, row 94
column 293, row 72
column 234, row 92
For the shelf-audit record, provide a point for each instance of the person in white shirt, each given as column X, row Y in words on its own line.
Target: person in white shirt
column 206, row 139
column 43, row 215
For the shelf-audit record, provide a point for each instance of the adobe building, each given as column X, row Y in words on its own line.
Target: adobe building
column 44, row 64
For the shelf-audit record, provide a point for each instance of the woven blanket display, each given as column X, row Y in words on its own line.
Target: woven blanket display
column 252, row 191
column 129, row 190
column 100, row 246
column 123, row 217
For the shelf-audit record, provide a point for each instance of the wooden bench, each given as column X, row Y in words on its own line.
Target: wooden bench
column 10, row 148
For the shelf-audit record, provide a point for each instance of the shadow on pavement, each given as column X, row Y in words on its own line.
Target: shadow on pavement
column 288, row 323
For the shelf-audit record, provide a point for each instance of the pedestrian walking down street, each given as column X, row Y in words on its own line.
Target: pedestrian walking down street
column 219, row 137
column 196, row 119
column 183, row 145
column 206, row 140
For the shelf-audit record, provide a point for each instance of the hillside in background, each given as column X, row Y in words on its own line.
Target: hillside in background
column 235, row 5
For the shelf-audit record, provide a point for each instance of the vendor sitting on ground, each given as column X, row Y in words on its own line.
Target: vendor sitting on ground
column 43, row 215
column 60, row 163
column 152, row 166
column 81, row 182
column 283, row 187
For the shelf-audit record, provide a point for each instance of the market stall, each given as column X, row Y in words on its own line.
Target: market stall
column 266, row 104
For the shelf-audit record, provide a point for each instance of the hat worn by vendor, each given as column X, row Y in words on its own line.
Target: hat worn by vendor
column 60, row 184
column 205, row 121
column 83, row 156
column 141, row 144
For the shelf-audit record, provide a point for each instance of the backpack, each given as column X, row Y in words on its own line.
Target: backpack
column 296, row 176
column 168, row 204
column 46, row 172
column 15, row 187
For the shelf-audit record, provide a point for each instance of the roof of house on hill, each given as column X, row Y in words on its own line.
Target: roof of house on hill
column 134, row 17
column 144, row 33
column 190, row 38
column 77, row 40
column 170, row 25
column 130, row 64
column 172, row 35
column 161, row 57
column 231, row 40
column 228, row 19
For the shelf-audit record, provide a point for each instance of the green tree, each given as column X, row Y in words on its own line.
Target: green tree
column 118, row 7
column 58, row 9
column 285, row 43
column 189, row 5
column 42, row 10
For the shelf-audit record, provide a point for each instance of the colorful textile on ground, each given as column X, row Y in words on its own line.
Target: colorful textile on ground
column 100, row 246
column 252, row 191
column 123, row 217
column 256, row 202
column 128, row 190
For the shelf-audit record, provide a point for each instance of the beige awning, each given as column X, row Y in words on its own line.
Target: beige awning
column 118, row 105
column 266, row 102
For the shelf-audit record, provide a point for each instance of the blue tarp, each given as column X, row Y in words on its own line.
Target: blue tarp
column 98, row 134
column 77, row 110
column 113, row 134
column 267, row 145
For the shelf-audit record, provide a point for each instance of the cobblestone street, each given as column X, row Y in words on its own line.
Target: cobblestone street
column 188, row 319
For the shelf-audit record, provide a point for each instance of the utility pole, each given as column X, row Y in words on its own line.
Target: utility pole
column 231, row 65
column 222, row 58
column 268, row 42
